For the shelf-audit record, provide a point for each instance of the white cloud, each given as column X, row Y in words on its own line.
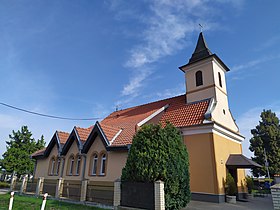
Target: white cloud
column 253, row 63
column 136, row 82
column 167, row 28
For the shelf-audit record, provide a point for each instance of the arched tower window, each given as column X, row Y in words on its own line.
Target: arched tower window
column 94, row 164
column 220, row 79
column 198, row 78
column 103, row 164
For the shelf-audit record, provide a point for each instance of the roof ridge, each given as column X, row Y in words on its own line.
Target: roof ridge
column 62, row 132
column 146, row 104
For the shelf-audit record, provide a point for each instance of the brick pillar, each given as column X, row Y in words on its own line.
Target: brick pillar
column 40, row 185
column 84, row 190
column 24, row 184
column 13, row 183
column 117, row 193
column 59, row 187
column 275, row 192
column 159, row 195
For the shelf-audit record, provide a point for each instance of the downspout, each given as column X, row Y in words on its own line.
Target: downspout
column 84, row 166
column 62, row 168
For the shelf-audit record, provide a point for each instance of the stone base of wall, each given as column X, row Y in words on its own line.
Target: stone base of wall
column 213, row 198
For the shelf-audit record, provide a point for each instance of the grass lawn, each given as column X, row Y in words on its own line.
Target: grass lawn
column 30, row 203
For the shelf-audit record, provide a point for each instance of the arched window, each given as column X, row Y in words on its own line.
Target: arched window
column 198, row 78
column 103, row 164
column 94, row 163
column 57, row 166
column 220, row 79
column 52, row 165
column 78, row 166
column 71, row 165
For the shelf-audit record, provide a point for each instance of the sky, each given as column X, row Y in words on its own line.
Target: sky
column 82, row 59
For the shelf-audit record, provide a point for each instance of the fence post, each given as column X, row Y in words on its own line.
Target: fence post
column 84, row 190
column 11, row 201
column 59, row 187
column 13, row 182
column 44, row 201
column 117, row 193
column 40, row 185
column 24, row 184
column 159, row 195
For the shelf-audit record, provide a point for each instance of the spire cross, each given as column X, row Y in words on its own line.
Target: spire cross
column 201, row 27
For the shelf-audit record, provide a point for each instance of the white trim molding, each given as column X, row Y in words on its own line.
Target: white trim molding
column 117, row 134
column 213, row 128
column 152, row 115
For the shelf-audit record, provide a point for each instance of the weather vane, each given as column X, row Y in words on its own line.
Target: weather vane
column 201, row 27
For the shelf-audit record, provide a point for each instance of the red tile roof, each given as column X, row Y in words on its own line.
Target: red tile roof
column 178, row 113
column 83, row 133
column 38, row 152
column 63, row 136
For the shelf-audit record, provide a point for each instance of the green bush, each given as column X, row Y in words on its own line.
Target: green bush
column 4, row 185
column 231, row 188
column 159, row 154
column 249, row 184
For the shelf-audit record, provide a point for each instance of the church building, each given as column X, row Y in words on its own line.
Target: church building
column 202, row 114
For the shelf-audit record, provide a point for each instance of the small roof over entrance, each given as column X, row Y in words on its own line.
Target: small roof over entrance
column 240, row 161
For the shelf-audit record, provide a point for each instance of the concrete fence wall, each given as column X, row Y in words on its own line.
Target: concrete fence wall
column 83, row 191
column 275, row 192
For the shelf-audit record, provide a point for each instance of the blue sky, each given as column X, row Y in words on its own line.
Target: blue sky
column 83, row 58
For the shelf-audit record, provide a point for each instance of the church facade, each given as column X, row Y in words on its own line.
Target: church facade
column 209, row 131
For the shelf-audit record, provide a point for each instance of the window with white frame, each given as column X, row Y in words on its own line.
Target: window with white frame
column 103, row 164
column 78, row 165
column 57, row 166
column 94, row 164
column 71, row 165
column 52, row 166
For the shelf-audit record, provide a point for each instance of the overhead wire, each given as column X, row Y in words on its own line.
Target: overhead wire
column 47, row 115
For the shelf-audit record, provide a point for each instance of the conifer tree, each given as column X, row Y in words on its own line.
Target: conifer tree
column 266, row 138
column 19, row 148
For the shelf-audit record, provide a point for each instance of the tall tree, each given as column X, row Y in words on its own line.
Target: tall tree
column 19, row 148
column 159, row 154
column 266, row 138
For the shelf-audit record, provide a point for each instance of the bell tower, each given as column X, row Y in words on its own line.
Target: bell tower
column 205, row 79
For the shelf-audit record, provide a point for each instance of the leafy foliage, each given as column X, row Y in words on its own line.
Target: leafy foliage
column 159, row 154
column 266, row 136
column 249, row 183
column 231, row 188
column 19, row 148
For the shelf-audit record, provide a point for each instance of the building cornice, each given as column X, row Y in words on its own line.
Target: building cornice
column 215, row 128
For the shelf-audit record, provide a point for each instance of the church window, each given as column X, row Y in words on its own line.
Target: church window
column 198, row 78
column 94, row 164
column 103, row 164
column 220, row 79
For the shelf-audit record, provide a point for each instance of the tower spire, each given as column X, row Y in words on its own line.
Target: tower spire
column 201, row 51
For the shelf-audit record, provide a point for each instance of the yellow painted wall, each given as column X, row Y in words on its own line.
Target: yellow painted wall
column 115, row 162
column 73, row 150
column 42, row 168
column 223, row 147
column 202, row 163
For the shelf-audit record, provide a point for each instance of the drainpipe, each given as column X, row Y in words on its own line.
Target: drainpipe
column 84, row 166
column 62, row 167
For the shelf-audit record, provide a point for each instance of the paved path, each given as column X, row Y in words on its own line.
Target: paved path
column 4, row 191
column 256, row 203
